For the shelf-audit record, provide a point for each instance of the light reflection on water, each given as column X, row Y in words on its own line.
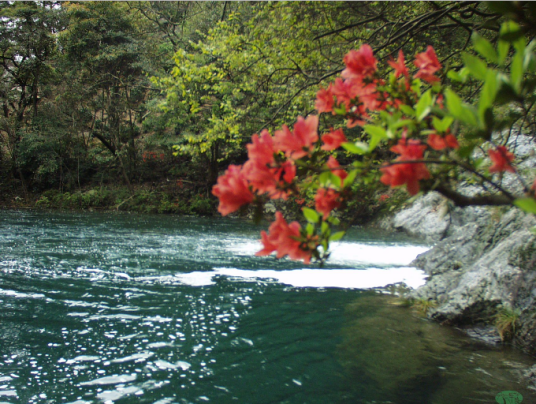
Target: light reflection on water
column 141, row 309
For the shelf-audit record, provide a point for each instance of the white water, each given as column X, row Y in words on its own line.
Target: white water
column 385, row 265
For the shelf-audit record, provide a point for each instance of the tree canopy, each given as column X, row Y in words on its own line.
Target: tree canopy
column 138, row 93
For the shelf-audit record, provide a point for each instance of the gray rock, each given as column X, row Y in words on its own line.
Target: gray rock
column 481, row 265
column 427, row 217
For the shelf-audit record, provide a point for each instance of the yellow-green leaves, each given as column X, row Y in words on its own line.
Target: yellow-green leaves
column 526, row 204
column 485, row 48
column 462, row 111
column 477, row 67
column 311, row 215
column 424, row 106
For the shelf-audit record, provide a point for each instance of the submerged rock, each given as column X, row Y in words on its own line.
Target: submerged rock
column 400, row 358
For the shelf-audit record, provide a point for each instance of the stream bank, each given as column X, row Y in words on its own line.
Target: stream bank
column 481, row 269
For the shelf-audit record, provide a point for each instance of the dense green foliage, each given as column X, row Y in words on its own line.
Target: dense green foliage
column 160, row 97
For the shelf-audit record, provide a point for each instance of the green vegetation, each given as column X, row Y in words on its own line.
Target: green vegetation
column 140, row 105
column 506, row 322
column 423, row 306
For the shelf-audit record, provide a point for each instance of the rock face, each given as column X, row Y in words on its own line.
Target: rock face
column 485, row 258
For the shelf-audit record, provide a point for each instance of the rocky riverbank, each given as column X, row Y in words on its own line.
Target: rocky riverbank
column 482, row 267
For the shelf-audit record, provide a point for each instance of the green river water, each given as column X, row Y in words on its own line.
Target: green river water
column 119, row 308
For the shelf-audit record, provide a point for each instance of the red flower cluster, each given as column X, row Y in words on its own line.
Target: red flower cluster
column 333, row 139
column 359, row 63
column 232, row 190
column 358, row 95
column 399, row 66
column 326, row 200
column 409, row 173
column 300, row 142
column 438, row 142
column 359, row 92
column 266, row 172
column 428, row 65
column 501, row 159
column 286, row 239
column 334, row 165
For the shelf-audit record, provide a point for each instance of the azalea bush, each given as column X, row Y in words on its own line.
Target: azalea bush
column 409, row 128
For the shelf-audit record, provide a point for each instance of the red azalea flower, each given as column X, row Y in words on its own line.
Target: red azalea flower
column 261, row 150
column 399, row 66
column 501, row 158
column 370, row 98
column 406, row 173
column 409, row 149
column 360, row 63
column 333, row 164
column 345, row 91
column 300, row 142
column 284, row 239
column 428, row 64
column 232, row 190
column 326, row 200
column 333, row 139
column 324, row 100
column 438, row 142
column 452, row 142
column 271, row 179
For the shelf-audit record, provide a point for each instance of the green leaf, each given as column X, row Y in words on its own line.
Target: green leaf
column 441, row 125
column 510, row 31
column 454, row 103
column 335, row 180
column 310, row 215
column 356, row 148
column 324, row 228
column 401, row 123
column 374, row 141
column 375, row 130
column 334, row 221
column 455, row 76
column 488, row 93
column 310, row 229
column 516, row 72
column 476, row 66
column 463, row 112
column 469, row 115
column 526, row 204
column 350, row 178
column 503, row 49
column 423, row 107
column 406, row 109
column 324, row 178
column 377, row 135
column 485, row 48
column 340, row 110
column 337, row 236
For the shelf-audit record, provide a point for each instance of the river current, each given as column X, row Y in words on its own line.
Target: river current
column 120, row 308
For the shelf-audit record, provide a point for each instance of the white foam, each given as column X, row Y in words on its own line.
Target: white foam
column 316, row 278
column 348, row 253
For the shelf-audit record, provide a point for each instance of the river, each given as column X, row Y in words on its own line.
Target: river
column 120, row 308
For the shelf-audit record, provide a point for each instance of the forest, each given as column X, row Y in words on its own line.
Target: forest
column 141, row 105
